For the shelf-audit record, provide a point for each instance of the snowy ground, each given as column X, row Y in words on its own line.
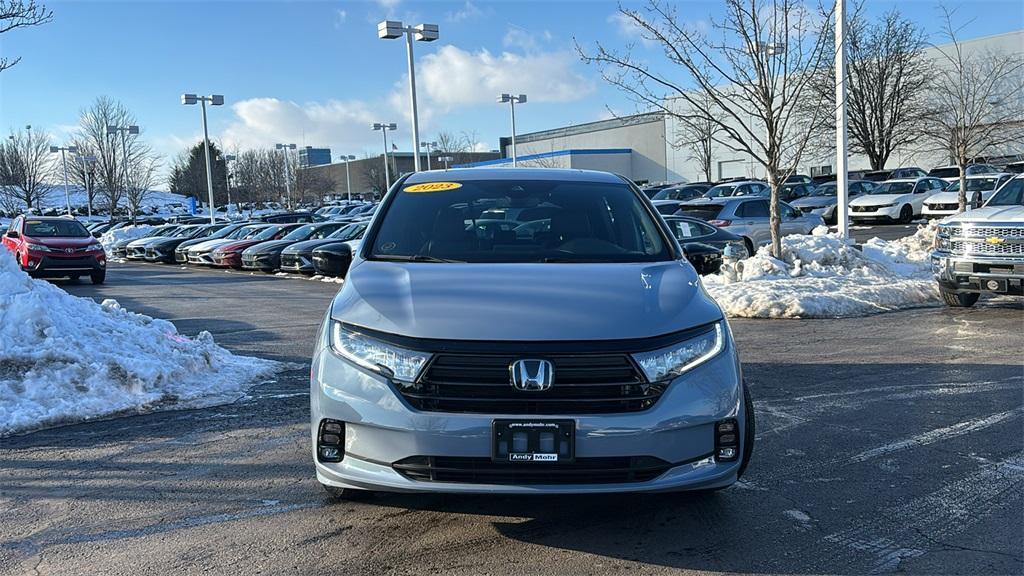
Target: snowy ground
column 820, row 277
column 65, row 359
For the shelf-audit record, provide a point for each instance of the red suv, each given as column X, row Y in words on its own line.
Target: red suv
column 56, row 247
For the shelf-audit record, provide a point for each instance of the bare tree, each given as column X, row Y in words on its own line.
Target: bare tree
column 142, row 176
column 19, row 14
column 375, row 177
column 81, row 172
column 757, row 67
column 107, row 149
column 458, row 146
column 977, row 102
column 696, row 133
column 26, row 166
column 887, row 77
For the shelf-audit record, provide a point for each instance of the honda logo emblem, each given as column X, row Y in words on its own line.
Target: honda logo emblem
column 532, row 375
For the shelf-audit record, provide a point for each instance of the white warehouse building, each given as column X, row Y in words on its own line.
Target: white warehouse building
column 640, row 146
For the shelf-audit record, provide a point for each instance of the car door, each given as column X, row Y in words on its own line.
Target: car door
column 13, row 242
column 755, row 218
column 922, row 190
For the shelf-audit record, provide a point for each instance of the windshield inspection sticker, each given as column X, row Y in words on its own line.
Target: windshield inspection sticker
column 432, row 187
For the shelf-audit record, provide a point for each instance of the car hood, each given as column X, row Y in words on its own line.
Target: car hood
column 61, row 242
column 524, row 302
column 309, row 245
column 210, row 244
column 270, row 246
column 814, row 201
column 195, row 242
column 879, row 199
column 165, row 241
column 990, row 214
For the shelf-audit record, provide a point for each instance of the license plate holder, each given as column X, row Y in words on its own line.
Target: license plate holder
column 531, row 441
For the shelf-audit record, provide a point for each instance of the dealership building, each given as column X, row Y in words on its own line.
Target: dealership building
column 640, row 147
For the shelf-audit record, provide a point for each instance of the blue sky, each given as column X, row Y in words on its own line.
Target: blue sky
column 314, row 73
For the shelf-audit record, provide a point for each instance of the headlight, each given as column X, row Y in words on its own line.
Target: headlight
column 392, row 361
column 676, row 359
column 37, row 247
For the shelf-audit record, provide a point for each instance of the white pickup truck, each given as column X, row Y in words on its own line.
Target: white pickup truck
column 982, row 250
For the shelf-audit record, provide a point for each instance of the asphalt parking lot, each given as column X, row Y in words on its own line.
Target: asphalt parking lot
column 892, row 443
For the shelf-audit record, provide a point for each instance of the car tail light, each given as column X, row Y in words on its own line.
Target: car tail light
column 727, row 444
column 720, row 223
column 330, row 441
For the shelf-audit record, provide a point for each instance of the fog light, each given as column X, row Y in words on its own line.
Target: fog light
column 726, row 440
column 330, row 441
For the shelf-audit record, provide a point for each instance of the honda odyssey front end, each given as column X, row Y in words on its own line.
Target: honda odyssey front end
column 582, row 355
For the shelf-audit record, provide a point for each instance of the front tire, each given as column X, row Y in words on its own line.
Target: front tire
column 959, row 299
column 343, row 494
column 906, row 214
column 98, row 277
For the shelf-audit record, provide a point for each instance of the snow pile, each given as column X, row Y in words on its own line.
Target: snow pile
column 328, row 279
column 821, row 277
column 66, row 359
column 108, row 239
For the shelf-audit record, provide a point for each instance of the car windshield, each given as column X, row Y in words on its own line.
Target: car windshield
column 167, row 231
column 1011, row 194
column 720, row 191
column 348, row 232
column 233, row 233
column 268, row 233
column 250, row 232
column 55, row 229
column 975, row 185
column 893, row 188
column 300, row 233
column 590, row 222
column 826, row 189
column 945, row 172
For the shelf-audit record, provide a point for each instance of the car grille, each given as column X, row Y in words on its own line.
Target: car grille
column 982, row 248
column 293, row 261
column 953, row 207
column 1007, row 232
column 864, row 208
column 609, row 470
column 583, row 384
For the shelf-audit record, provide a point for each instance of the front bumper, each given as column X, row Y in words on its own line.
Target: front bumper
column 259, row 262
column 160, row 255
column 136, row 253
column 49, row 266
column 959, row 273
column 302, row 262
column 233, row 260
column 875, row 213
column 381, row 429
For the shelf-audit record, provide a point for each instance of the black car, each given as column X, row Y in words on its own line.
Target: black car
column 164, row 250
column 792, row 190
column 683, row 192
column 181, row 250
column 333, row 259
column 702, row 242
column 298, row 257
column 266, row 256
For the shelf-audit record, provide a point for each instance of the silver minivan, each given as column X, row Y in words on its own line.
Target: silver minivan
column 577, row 354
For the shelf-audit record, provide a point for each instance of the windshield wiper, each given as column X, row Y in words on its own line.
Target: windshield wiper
column 414, row 258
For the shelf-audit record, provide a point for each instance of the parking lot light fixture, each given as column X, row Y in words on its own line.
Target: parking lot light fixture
column 446, row 160
column 512, row 100
column 214, row 100
column 348, row 175
column 429, row 146
column 391, row 30
column 64, row 160
column 284, row 148
column 384, row 127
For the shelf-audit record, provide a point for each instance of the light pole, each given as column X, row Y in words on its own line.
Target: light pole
column 229, row 158
column 446, row 160
column 512, row 101
column 64, row 160
column 384, row 130
column 348, row 175
column 392, row 29
column 287, row 177
column 88, row 170
column 214, row 100
column 429, row 146
column 124, row 131
column 842, row 180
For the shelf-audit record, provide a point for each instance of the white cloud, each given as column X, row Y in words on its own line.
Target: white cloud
column 340, row 16
column 468, row 11
column 452, row 77
column 344, row 126
column 628, row 28
column 525, row 40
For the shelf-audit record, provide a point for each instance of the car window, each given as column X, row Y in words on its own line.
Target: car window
column 702, row 211
column 14, row 225
column 755, row 209
column 590, row 222
column 684, row 230
column 1012, row 194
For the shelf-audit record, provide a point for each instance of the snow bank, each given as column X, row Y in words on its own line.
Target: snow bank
column 66, row 359
column 108, row 239
column 821, row 277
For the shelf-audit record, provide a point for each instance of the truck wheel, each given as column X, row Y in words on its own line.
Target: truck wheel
column 906, row 214
column 959, row 299
column 98, row 277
